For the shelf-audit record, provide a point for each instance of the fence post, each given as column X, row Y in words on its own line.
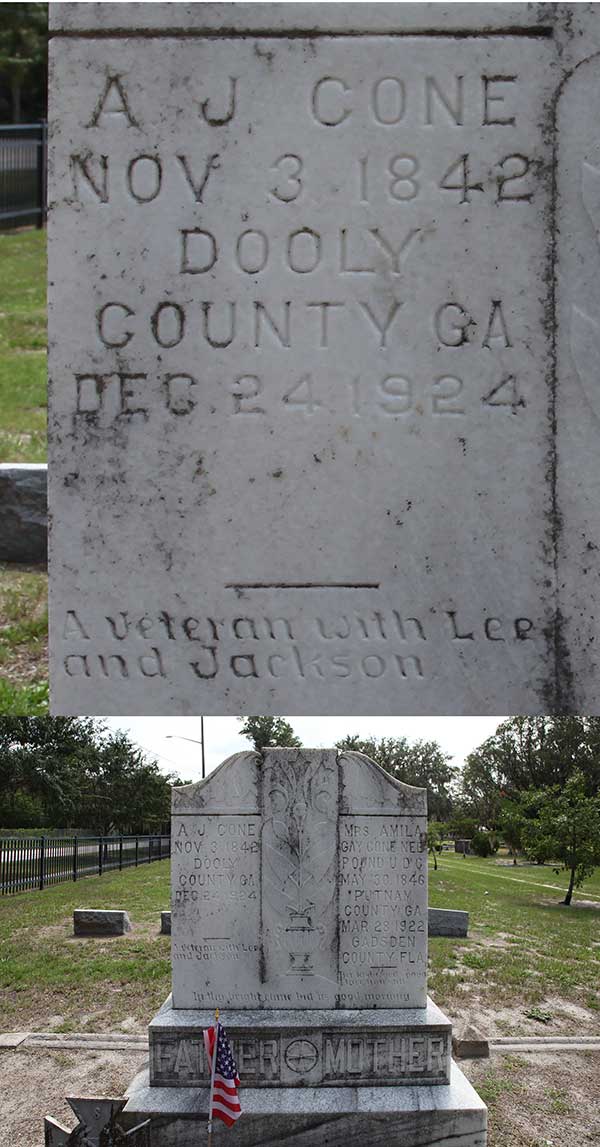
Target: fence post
column 149, row 849
column 120, row 853
column 100, row 840
column 42, row 861
column 160, row 848
column 137, row 848
column 74, row 858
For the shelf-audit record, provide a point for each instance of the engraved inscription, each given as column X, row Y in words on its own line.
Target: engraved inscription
column 327, row 1058
column 294, row 364
column 371, row 644
column 383, row 905
column 215, row 864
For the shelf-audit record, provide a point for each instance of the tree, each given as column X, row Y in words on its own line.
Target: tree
column 263, row 731
column 529, row 753
column 567, row 828
column 462, row 826
column 435, row 835
column 23, row 49
column 422, row 763
column 483, row 843
column 511, row 826
column 43, row 760
column 62, row 771
column 124, row 790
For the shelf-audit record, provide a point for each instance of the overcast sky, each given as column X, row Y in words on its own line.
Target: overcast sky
column 162, row 736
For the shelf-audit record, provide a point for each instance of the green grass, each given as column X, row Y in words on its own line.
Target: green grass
column 23, row 347
column 47, row 977
column 523, row 946
column 23, row 614
column 51, row 981
column 23, row 641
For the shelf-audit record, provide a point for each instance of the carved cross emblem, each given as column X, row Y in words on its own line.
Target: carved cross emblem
column 97, row 1127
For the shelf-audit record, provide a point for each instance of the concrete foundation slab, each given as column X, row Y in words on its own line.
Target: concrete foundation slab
column 449, row 1116
column 12, row 1039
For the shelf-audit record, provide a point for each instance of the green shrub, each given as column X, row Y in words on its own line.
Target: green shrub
column 483, row 843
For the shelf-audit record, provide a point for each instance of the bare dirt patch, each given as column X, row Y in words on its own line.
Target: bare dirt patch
column 541, row 1100
column 565, row 1019
column 35, row 1083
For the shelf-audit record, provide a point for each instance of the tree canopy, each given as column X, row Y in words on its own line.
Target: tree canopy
column 422, row 763
column 566, row 828
column 23, row 67
column 263, row 731
column 530, row 753
column 58, row 772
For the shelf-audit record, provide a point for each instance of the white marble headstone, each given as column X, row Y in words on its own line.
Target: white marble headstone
column 299, row 881
column 304, row 343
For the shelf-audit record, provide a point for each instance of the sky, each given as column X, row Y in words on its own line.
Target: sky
column 164, row 736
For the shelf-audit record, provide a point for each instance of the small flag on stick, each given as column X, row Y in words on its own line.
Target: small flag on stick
column 224, row 1101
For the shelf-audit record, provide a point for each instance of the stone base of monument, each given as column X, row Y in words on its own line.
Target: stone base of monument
column 448, row 1115
column 317, row 1077
column 278, row 1047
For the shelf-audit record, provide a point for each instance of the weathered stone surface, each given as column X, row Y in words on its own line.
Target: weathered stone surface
column 578, row 395
column 12, row 1039
column 303, row 309
column 256, row 18
column 449, row 1116
column 23, row 512
column 165, row 923
column 317, row 1048
column 100, row 922
column 299, row 881
column 469, row 1043
column 447, row 922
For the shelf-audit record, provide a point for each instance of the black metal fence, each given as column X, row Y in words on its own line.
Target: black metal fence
column 37, row 861
column 23, row 165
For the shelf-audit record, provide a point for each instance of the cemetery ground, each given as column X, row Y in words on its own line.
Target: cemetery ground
column 23, row 346
column 23, row 590
column 23, row 640
column 529, row 967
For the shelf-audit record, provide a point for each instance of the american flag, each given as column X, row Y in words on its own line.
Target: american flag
column 225, row 1100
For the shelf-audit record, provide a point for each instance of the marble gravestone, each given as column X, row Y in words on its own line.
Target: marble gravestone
column 324, row 344
column 317, row 861
column 299, row 908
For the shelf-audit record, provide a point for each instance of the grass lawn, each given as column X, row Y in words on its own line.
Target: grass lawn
column 523, row 949
column 23, row 640
column 23, row 346
column 526, row 953
column 23, row 615
column 51, row 981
